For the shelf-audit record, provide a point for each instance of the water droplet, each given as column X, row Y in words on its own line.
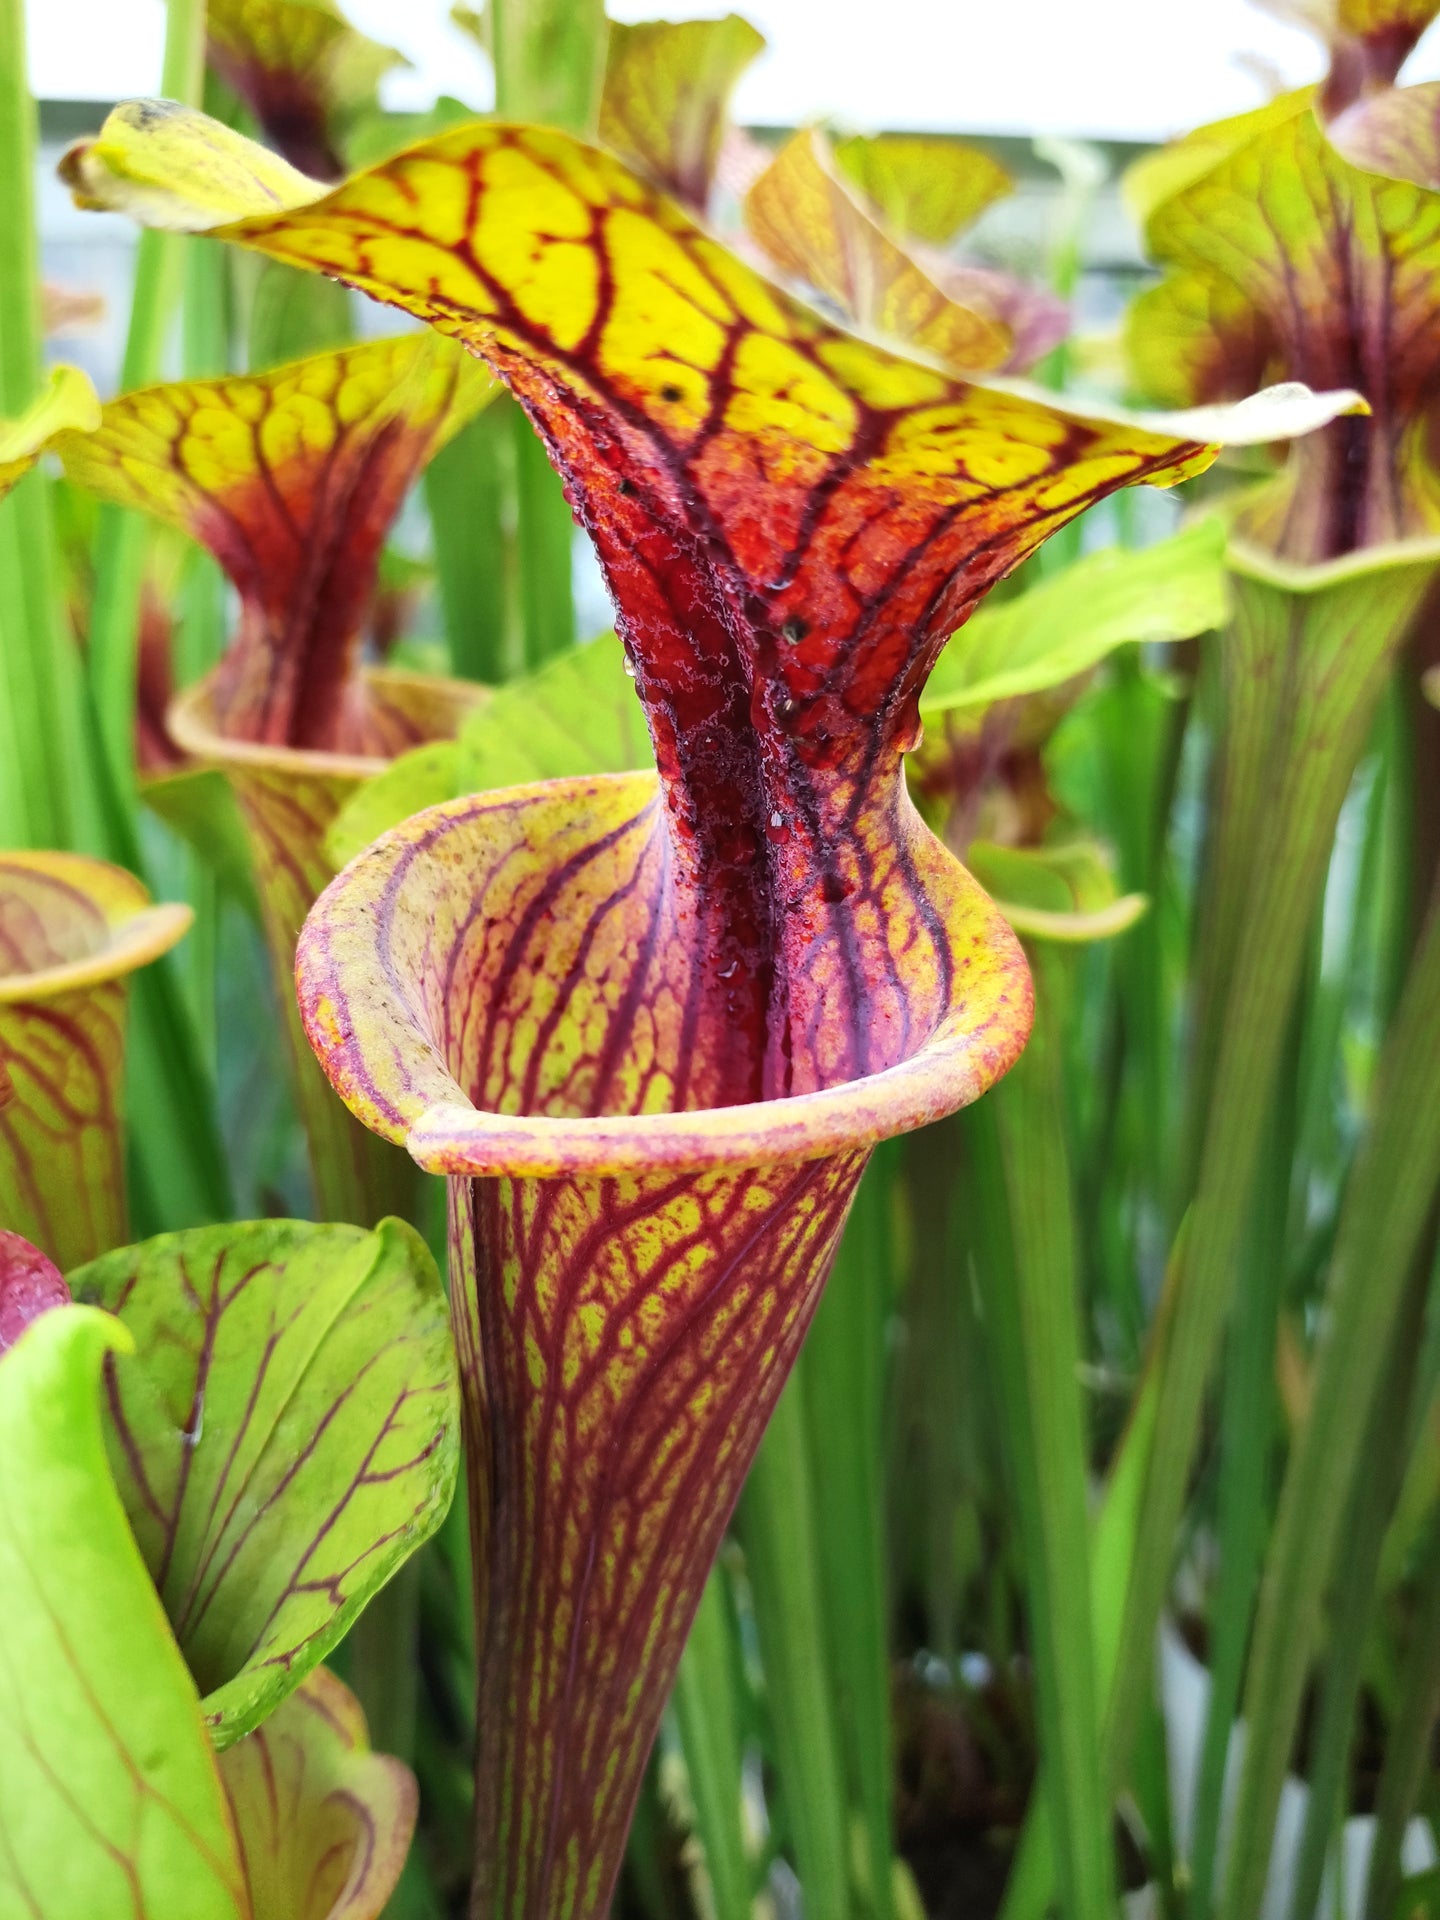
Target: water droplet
column 629, row 667
column 729, row 973
column 777, row 819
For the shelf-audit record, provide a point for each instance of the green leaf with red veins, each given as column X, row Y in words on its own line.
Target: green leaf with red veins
column 814, row 225
column 288, row 1436
column 1282, row 259
column 324, row 1824
column 291, row 478
column 666, row 96
column 819, row 225
column 300, row 67
column 109, row 1799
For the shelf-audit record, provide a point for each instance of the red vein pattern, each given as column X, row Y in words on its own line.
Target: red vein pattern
column 288, row 800
column 288, row 1436
column 71, row 930
column 1284, row 261
column 653, row 1030
column 291, row 478
column 506, row 983
column 324, row 1824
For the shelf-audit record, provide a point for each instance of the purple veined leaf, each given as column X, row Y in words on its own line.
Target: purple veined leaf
column 286, row 1437
column 667, row 94
column 72, row 930
column 301, row 68
column 323, row 1823
column 29, row 1286
column 1368, row 41
column 1282, row 259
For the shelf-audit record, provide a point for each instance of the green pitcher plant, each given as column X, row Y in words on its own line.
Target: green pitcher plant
column 292, row 478
column 1281, row 257
column 650, row 1025
column 219, row 1445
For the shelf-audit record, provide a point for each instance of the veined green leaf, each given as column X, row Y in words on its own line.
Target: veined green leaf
column 667, row 91
column 324, row 1823
column 1060, row 629
column 109, row 1800
column 577, row 714
column 287, row 1438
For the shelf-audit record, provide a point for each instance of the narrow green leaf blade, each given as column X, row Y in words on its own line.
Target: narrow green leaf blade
column 1170, row 591
column 109, row 1799
column 287, row 1438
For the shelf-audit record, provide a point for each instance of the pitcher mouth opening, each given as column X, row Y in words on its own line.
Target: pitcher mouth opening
column 111, row 925
column 431, row 705
column 394, row 978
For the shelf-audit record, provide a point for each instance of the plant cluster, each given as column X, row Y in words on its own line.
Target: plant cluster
column 811, row 1486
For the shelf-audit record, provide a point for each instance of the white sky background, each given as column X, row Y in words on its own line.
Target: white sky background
column 1129, row 69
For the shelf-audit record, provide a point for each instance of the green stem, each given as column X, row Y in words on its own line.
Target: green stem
column 470, row 492
column 549, row 60
column 1407, row 1752
column 1386, row 1206
column 45, row 799
column 1339, row 635
column 1379, row 1476
column 121, row 537
column 843, row 1368
column 1030, row 1890
column 777, row 1531
column 1247, row 1439
column 1028, row 1282
column 704, row 1703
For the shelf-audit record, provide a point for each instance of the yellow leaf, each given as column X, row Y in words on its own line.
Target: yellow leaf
column 68, row 405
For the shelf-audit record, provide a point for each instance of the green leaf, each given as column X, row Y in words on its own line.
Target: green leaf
column 1064, row 891
column 324, row 1823
column 413, row 781
column 578, row 714
column 109, row 1800
column 198, row 804
column 287, row 1438
column 1170, row 591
